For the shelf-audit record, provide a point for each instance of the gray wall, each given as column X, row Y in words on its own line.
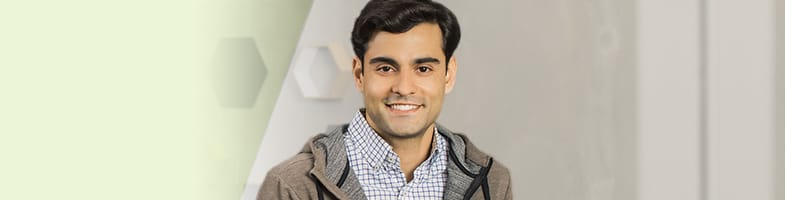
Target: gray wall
column 547, row 87
column 779, row 100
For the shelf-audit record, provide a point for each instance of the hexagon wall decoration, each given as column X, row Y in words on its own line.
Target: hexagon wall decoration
column 237, row 72
column 322, row 72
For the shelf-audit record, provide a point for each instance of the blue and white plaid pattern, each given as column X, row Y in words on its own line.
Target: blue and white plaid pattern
column 378, row 167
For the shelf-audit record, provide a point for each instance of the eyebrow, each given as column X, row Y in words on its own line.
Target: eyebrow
column 426, row 60
column 384, row 60
column 395, row 63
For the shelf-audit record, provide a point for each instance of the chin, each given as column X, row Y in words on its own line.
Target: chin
column 409, row 132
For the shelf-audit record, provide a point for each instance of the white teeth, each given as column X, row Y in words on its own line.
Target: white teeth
column 403, row 107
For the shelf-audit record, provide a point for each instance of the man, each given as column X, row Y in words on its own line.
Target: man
column 392, row 148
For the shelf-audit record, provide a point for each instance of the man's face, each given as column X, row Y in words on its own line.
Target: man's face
column 404, row 80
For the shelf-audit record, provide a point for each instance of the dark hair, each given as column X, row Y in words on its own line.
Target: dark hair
column 398, row 16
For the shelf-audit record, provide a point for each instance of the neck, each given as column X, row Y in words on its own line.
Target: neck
column 414, row 147
column 412, row 151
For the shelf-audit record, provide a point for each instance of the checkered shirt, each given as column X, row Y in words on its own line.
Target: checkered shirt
column 378, row 167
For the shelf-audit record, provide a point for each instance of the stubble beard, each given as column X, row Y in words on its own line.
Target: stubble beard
column 385, row 129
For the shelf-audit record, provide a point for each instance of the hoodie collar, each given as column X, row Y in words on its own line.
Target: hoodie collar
column 330, row 159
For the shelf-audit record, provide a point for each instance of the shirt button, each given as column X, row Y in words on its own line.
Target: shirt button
column 390, row 159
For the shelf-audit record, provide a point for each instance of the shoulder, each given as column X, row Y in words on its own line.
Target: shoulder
column 499, row 172
column 500, row 181
column 298, row 165
column 287, row 180
column 498, row 176
column 303, row 162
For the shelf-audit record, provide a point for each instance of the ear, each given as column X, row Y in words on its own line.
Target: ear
column 357, row 72
column 452, row 68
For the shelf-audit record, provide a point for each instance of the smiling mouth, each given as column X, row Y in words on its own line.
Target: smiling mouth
column 403, row 107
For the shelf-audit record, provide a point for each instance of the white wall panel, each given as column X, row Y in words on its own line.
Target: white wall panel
column 668, row 99
column 740, row 93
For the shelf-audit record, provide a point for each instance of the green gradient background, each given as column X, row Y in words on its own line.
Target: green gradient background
column 111, row 100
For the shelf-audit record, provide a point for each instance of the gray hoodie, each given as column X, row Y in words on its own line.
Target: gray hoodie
column 321, row 171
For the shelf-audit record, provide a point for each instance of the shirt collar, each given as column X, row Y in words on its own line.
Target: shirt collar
column 371, row 146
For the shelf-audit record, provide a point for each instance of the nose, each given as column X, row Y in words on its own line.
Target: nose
column 405, row 84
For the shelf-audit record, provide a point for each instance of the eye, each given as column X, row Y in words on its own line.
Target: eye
column 385, row 68
column 423, row 69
